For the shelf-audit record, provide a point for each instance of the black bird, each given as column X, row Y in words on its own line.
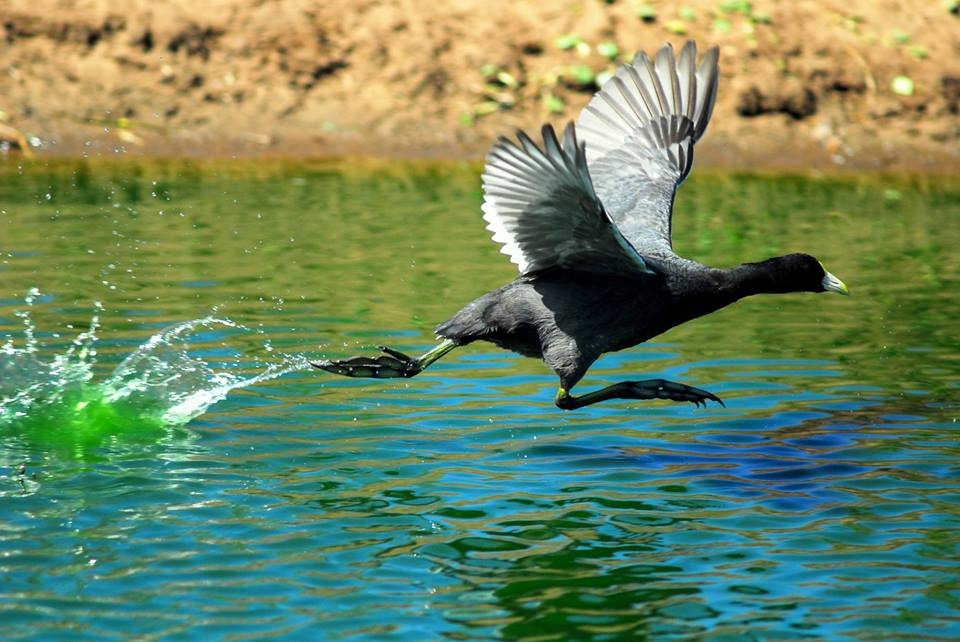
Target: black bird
column 587, row 219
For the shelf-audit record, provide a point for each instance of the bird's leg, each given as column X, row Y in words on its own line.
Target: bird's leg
column 391, row 364
column 647, row 389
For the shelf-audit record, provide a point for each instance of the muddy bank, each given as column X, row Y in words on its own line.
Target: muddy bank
column 858, row 83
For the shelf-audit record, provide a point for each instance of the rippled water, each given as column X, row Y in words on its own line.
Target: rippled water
column 822, row 503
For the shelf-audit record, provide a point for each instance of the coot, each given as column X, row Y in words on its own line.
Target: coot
column 587, row 218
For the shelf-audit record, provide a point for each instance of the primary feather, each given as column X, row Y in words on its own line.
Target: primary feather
column 541, row 206
column 639, row 131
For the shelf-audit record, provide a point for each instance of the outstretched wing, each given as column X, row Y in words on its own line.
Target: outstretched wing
column 541, row 206
column 639, row 131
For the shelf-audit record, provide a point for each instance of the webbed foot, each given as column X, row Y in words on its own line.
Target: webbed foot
column 392, row 364
column 647, row 389
column 663, row 389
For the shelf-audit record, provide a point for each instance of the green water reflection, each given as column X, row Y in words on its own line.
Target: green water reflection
column 822, row 503
column 410, row 240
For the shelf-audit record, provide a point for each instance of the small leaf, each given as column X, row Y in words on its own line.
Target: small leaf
column 900, row 36
column 608, row 50
column 489, row 70
column 604, row 76
column 555, row 105
column 486, row 107
column 646, row 13
column 676, row 27
column 568, row 41
column 722, row 25
column 902, row 86
column 736, row 6
column 507, row 79
column 583, row 74
column 503, row 98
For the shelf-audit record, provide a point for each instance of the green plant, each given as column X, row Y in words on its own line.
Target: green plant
column 583, row 75
column 498, row 93
column 902, row 86
column 721, row 26
column 496, row 76
column 900, row 36
column 604, row 76
column 677, row 27
column 737, row 6
column 608, row 50
column 646, row 12
column 572, row 41
column 554, row 103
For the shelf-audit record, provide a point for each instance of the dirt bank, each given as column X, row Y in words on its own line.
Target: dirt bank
column 862, row 83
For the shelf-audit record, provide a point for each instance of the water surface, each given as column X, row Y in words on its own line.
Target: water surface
column 822, row 503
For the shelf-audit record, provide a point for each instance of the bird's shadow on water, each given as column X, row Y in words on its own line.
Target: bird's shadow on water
column 778, row 411
column 798, row 453
column 599, row 489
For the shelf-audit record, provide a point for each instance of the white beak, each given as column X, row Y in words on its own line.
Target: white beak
column 833, row 284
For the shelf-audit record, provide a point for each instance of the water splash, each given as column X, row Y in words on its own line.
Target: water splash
column 162, row 383
column 163, row 374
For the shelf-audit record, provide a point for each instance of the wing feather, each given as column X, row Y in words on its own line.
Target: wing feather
column 639, row 131
column 540, row 204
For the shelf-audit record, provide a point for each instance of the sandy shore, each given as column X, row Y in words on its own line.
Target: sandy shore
column 824, row 84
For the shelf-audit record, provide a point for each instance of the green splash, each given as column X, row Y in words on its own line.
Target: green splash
column 83, row 419
column 49, row 400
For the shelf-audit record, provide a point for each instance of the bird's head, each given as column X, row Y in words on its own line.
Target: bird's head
column 803, row 273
